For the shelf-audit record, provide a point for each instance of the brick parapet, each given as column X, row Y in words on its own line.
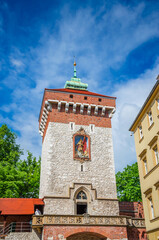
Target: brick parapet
column 63, row 109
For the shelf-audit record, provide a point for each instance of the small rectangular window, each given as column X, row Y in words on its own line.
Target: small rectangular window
column 85, row 98
column 71, row 96
column 156, row 154
column 140, row 132
column 145, row 166
column 92, row 128
column 99, row 99
column 81, row 168
column 72, row 126
column 150, row 118
column 151, row 208
column 158, row 103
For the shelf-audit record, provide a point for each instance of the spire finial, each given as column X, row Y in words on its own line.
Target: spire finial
column 74, row 68
column 74, row 61
column 157, row 78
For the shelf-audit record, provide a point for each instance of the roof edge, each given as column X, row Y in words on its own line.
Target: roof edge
column 84, row 92
column 144, row 105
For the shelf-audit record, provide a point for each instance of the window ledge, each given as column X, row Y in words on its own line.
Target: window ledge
column 151, row 126
column 154, row 219
column 141, row 139
column 153, row 169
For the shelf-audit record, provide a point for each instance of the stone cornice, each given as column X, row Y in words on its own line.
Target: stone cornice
column 86, row 219
column 50, row 102
column 72, row 189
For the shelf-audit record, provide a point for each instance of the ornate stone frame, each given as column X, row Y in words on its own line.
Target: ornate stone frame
column 82, row 133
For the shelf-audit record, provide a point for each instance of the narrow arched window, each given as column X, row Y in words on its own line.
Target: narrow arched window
column 81, row 195
column 81, row 203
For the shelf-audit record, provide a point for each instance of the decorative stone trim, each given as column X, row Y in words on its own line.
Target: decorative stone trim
column 78, row 185
column 153, row 141
column 89, row 110
column 59, row 106
column 48, row 108
column 142, row 153
column 74, row 108
column 157, row 185
column 81, row 108
column 86, row 219
column 148, row 191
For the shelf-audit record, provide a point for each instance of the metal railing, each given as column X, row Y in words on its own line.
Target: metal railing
column 15, row 227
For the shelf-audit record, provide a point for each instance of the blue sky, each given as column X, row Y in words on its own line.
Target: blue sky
column 116, row 44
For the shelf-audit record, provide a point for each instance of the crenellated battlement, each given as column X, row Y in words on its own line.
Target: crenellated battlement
column 73, row 107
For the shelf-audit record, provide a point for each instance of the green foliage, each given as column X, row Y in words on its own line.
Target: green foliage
column 128, row 184
column 31, row 169
column 10, row 152
column 18, row 178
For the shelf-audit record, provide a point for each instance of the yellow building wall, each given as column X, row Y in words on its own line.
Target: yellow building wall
column 144, row 150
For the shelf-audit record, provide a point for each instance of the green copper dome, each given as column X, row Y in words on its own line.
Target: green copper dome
column 75, row 83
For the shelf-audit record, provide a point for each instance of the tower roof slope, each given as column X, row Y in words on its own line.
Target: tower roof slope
column 79, row 92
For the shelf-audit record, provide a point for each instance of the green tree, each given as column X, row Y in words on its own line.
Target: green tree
column 18, row 178
column 31, row 178
column 128, row 184
column 10, row 152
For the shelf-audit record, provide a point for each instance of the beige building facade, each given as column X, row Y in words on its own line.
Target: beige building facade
column 146, row 134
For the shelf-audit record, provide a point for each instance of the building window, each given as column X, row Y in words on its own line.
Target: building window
column 158, row 103
column 85, row 98
column 140, row 132
column 91, row 128
column 99, row 99
column 81, row 195
column 150, row 118
column 156, row 154
column 72, row 126
column 81, row 168
column 145, row 166
column 81, row 203
column 71, row 96
column 151, row 208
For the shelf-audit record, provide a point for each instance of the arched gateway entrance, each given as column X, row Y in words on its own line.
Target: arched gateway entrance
column 86, row 236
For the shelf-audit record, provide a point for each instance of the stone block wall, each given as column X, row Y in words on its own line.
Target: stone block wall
column 59, row 171
column 34, row 235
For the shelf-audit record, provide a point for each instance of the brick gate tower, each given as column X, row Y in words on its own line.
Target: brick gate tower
column 77, row 180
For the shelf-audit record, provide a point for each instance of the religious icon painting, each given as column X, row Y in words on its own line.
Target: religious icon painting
column 81, row 147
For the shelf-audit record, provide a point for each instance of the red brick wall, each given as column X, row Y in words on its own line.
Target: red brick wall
column 137, row 234
column 133, row 209
column 77, row 98
column 66, row 231
column 80, row 119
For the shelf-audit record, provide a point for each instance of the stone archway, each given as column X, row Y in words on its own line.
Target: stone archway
column 86, row 236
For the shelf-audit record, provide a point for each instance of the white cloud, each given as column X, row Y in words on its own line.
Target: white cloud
column 16, row 62
column 8, row 108
column 130, row 98
column 99, row 43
